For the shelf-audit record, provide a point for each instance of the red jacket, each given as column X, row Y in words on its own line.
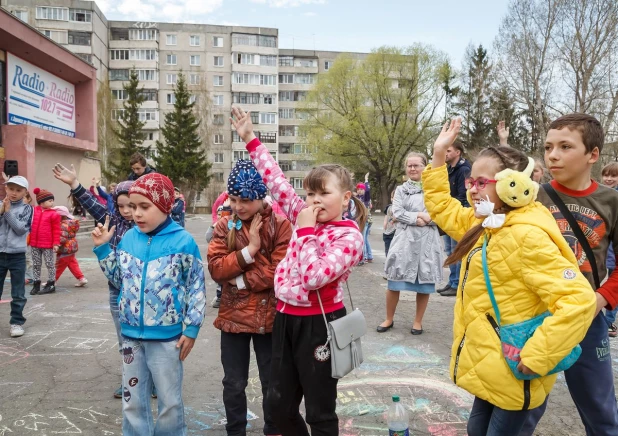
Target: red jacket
column 45, row 231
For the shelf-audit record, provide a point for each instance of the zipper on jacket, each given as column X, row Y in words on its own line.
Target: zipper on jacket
column 465, row 278
column 493, row 323
column 142, row 290
column 461, row 345
column 526, row 395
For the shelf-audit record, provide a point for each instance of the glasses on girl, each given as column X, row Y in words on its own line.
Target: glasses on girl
column 480, row 183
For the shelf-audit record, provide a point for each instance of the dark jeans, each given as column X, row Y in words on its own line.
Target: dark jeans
column 297, row 373
column 591, row 385
column 387, row 242
column 235, row 356
column 15, row 263
column 489, row 420
column 218, row 291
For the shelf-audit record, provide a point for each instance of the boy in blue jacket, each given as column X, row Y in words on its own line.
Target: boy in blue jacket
column 157, row 267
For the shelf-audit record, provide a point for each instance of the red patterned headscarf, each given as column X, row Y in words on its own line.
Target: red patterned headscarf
column 157, row 188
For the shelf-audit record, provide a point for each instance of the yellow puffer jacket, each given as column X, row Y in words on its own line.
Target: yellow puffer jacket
column 532, row 269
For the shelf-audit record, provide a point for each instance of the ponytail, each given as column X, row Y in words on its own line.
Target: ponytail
column 361, row 213
column 231, row 235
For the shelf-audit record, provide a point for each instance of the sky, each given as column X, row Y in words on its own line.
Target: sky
column 336, row 25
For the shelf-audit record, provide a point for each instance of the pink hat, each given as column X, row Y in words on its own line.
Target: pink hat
column 63, row 211
column 361, row 186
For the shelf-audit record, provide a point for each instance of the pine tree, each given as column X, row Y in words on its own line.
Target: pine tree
column 128, row 131
column 182, row 156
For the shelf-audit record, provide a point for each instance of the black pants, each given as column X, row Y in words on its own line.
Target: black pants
column 235, row 356
column 297, row 373
column 15, row 263
column 387, row 242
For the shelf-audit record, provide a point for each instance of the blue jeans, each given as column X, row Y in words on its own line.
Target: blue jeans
column 366, row 247
column 449, row 247
column 489, row 420
column 16, row 264
column 113, row 308
column 145, row 362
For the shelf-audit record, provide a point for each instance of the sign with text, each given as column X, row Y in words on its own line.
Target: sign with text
column 38, row 98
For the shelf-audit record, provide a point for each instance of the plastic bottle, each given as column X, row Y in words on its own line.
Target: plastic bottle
column 398, row 422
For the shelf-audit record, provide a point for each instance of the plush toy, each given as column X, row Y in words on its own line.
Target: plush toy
column 516, row 188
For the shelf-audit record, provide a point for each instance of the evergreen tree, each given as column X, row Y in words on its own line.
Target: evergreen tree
column 128, row 132
column 182, row 156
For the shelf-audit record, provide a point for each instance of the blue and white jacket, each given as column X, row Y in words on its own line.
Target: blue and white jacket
column 161, row 282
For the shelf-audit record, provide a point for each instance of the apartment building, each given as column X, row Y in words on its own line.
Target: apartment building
column 223, row 66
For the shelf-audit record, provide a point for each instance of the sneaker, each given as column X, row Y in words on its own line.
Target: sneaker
column 612, row 330
column 216, row 302
column 118, row 392
column 36, row 288
column 16, row 331
column 81, row 283
column 50, row 287
column 446, row 288
column 450, row 292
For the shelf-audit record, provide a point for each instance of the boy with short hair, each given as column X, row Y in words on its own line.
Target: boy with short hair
column 15, row 220
column 157, row 267
column 139, row 167
column 574, row 143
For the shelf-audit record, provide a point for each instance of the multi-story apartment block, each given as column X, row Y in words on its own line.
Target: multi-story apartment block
column 223, row 66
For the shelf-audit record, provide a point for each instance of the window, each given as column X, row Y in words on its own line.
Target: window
column 147, row 114
column 80, row 15
column 267, row 137
column 194, row 60
column 149, row 136
column 286, row 114
column 171, row 59
column 46, row 13
column 171, row 98
column 241, row 154
column 218, row 80
column 286, row 61
column 148, row 94
column 84, row 56
column 268, row 98
column 22, row 15
column 304, row 79
column 268, row 118
column 119, row 55
column 218, row 157
column 218, row 138
column 301, row 149
column 118, row 75
column 218, row 100
column 194, row 79
column 218, row 61
column 286, row 79
column 143, row 34
column 292, row 95
column 255, row 117
column 268, row 79
column 120, row 94
column 170, row 40
column 143, row 55
column 146, row 75
column 194, row 40
column 193, row 99
column 217, row 41
column 244, row 59
column 117, row 114
column 268, row 61
column 328, row 65
column 297, row 182
column 246, row 98
column 306, row 63
column 218, row 177
column 79, row 38
column 172, row 79
column 254, row 40
column 246, row 78
column 288, row 130
column 217, row 119
column 59, row 36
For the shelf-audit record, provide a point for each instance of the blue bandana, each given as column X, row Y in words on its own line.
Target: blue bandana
column 245, row 182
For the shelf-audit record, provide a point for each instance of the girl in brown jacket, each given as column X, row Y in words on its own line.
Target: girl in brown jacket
column 243, row 255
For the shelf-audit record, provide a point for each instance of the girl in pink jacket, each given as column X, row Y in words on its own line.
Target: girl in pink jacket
column 323, row 249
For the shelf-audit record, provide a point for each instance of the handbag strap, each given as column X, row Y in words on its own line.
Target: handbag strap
column 490, row 289
column 583, row 241
column 328, row 337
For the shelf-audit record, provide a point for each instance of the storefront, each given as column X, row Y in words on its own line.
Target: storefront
column 47, row 106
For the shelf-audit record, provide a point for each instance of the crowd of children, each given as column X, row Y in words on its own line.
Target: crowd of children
column 281, row 263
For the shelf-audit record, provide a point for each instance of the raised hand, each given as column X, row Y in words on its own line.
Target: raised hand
column 447, row 136
column 102, row 234
column 65, row 175
column 366, row 177
column 503, row 133
column 241, row 121
column 5, row 177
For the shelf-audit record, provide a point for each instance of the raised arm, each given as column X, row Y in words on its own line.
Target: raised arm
column 283, row 193
column 81, row 194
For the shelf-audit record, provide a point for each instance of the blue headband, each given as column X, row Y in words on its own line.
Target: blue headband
column 245, row 182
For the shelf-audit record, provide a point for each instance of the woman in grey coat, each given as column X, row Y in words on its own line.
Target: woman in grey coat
column 415, row 258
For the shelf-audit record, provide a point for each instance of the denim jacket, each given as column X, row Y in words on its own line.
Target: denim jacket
column 161, row 282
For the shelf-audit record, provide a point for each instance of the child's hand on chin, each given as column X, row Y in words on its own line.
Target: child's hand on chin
column 308, row 217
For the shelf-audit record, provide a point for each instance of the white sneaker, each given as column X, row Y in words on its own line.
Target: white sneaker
column 16, row 331
column 82, row 282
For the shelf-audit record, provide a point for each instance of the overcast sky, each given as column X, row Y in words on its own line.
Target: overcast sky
column 338, row 25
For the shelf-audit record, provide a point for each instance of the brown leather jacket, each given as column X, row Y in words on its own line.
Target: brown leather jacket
column 250, row 310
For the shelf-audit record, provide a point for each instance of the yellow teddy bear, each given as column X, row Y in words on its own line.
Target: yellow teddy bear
column 516, row 188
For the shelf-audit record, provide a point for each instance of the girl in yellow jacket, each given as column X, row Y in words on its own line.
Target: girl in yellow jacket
column 532, row 270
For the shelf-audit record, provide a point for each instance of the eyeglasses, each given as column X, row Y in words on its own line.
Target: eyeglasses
column 480, row 183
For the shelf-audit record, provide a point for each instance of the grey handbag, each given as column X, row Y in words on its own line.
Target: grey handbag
column 344, row 336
